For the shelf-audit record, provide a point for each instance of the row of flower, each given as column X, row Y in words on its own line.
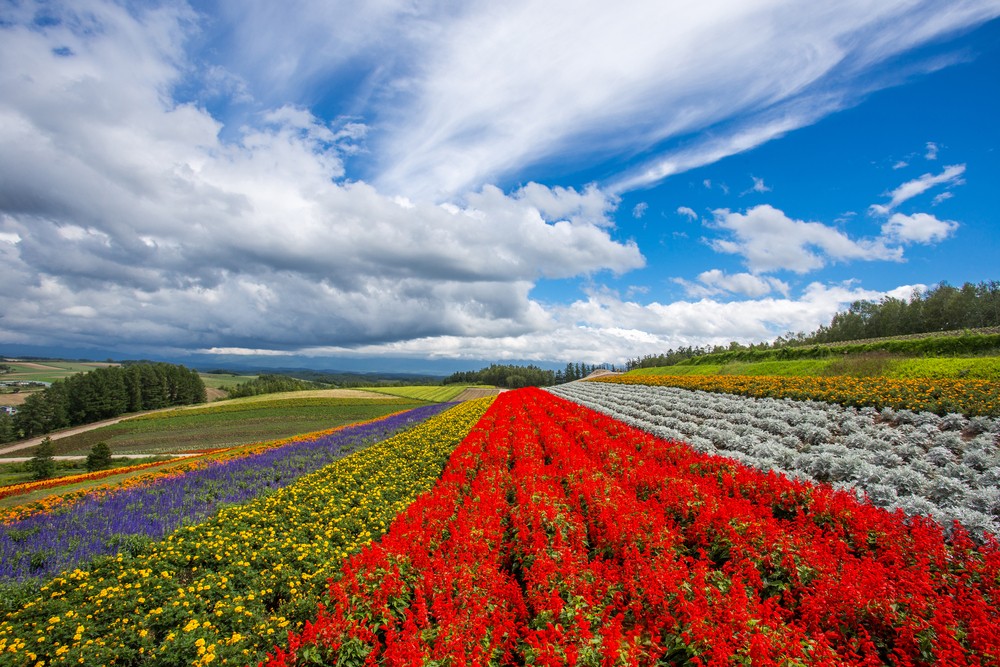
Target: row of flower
column 941, row 396
column 947, row 467
column 23, row 488
column 101, row 522
column 227, row 590
column 559, row 536
column 160, row 471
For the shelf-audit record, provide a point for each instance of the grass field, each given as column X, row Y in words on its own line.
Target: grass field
column 228, row 424
column 423, row 393
column 219, row 380
column 17, row 473
column 47, row 371
column 867, row 365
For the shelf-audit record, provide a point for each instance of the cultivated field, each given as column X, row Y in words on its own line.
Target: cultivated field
column 871, row 365
column 230, row 423
column 773, row 520
column 434, row 394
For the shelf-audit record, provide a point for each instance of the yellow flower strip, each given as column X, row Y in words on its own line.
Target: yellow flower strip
column 17, row 512
column 969, row 397
column 228, row 590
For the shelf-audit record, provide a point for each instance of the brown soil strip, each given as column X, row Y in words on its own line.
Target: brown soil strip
column 474, row 392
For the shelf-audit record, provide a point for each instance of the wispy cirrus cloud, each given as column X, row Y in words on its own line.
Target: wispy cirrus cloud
column 504, row 89
column 951, row 176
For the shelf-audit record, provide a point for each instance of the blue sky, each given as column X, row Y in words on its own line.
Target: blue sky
column 432, row 186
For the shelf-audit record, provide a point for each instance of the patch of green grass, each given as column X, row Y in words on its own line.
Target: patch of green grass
column 227, row 425
column 18, row 473
column 220, row 380
column 874, row 364
column 47, row 371
column 798, row 368
column 971, row 368
column 432, row 394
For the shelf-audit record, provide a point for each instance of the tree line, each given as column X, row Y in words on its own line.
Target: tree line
column 941, row 308
column 271, row 384
column 104, row 393
column 513, row 376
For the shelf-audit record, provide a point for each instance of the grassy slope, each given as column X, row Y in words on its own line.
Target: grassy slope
column 433, row 394
column 981, row 368
column 47, row 371
column 217, row 380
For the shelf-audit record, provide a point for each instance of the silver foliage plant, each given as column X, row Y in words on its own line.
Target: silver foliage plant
column 947, row 467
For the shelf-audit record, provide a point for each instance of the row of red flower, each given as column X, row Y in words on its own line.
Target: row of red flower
column 560, row 536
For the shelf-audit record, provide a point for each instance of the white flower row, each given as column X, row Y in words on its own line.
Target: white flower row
column 946, row 467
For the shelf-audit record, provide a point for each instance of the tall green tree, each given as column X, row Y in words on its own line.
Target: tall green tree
column 42, row 465
column 99, row 457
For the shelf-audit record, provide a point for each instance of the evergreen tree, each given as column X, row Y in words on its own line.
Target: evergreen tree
column 42, row 465
column 99, row 457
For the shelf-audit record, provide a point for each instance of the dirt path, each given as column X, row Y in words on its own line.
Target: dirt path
column 23, row 459
column 55, row 435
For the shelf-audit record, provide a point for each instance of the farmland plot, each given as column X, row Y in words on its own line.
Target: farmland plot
column 559, row 536
column 947, row 467
column 225, row 591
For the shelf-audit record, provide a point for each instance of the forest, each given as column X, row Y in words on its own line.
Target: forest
column 105, row 393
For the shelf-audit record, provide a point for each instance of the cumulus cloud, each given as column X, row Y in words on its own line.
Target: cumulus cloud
column 768, row 240
column 715, row 282
column 951, row 176
column 918, row 228
column 125, row 208
column 639, row 210
column 932, row 151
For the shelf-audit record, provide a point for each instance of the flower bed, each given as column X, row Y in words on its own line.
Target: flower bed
column 558, row 536
column 947, row 467
column 941, row 396
column 102, row 522
column 227, row 590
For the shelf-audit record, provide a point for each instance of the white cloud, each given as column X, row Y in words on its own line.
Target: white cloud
column 918, row 228
column 932, row 151
column 123, row 207
column 768, row 240
column 494, row 89
column 942, row 197
column 639, row 210
column 758, row 185
column 951, row 176
column 715, row 282
column 601, row 325
column 901, row 164
column 688, row 212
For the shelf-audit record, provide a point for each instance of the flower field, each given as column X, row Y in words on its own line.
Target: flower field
column 941, row 396
column 947, row 467
column 559, row 536
column 99, row 523
column 227, row 590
